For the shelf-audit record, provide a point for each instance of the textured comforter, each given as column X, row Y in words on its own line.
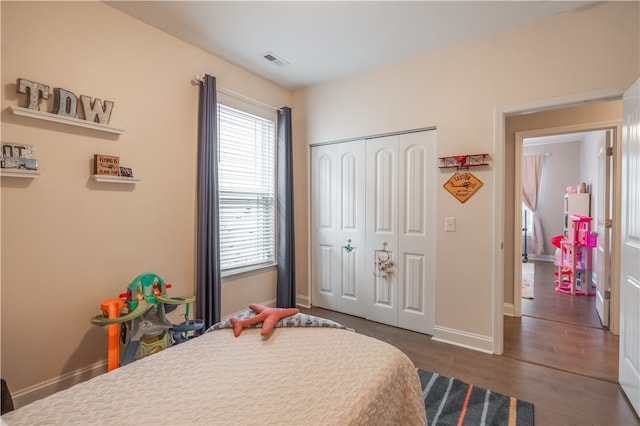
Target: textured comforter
column 297, row 376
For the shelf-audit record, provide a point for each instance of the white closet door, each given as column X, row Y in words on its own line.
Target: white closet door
column 373, row 221
column 338, row 226
column 382, row 230
column 416, row 232
column 351, row 225
column 324, row 225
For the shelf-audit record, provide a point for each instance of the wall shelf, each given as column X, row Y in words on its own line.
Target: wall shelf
column 114, row 179
column 47, row 116
column 19, row 173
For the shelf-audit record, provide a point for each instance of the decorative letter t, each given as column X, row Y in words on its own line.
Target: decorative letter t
column 36, row 91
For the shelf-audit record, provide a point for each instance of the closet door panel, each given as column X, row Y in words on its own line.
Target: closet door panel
column 324, row 270
column 384, row 190
column 413, row 282
column 351, row 234
column 416, row 237
column 325, row 253
column 373, row 219
column 414, row 196
column 382, row 229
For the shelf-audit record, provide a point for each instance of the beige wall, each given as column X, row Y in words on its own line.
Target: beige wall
column 459, row 90
column 67, row 242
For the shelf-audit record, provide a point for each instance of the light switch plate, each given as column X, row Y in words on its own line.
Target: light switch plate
column 450, row 224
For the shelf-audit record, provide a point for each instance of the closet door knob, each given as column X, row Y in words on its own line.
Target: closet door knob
column 348, row 247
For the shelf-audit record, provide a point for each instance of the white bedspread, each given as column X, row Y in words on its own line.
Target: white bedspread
column 297, row 376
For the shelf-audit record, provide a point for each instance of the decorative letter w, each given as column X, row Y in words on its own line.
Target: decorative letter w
column 94, row 112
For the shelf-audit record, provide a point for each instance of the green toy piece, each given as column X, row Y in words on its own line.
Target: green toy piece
column 145, row 322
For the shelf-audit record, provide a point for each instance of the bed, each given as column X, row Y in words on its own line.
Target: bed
column 309, row 371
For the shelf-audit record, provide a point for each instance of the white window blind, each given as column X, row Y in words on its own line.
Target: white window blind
column 246, row 184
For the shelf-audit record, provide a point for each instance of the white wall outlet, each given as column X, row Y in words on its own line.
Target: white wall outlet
column 450, row 224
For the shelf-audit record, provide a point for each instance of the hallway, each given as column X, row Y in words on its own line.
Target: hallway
column 561, row 331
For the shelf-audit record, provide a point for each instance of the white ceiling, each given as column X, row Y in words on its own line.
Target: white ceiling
column 325, row 40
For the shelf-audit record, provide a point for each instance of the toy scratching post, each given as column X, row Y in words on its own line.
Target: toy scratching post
column 113, row 307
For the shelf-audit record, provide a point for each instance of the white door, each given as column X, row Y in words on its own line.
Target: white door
column 629, row 367
column 351, row 225
column 401, row 230
column 325, row 227
column 382, row 230
column 373, row 229
column 416, row 231
column 601, row 277
column 337, row 211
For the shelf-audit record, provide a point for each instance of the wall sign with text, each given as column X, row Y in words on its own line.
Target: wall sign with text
column 463, row 186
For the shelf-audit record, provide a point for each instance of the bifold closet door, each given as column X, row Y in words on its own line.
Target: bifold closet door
column 338, row 226
column 416, row 231
column 400, row 230
column 382, row 230
column 373, row 229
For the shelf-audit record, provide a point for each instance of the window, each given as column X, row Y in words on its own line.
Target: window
column 246, row 183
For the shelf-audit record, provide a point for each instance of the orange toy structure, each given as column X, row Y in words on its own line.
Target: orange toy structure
column 137, row 321
column 113, row 307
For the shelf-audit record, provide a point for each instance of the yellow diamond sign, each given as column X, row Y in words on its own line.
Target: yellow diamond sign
column 463, row 186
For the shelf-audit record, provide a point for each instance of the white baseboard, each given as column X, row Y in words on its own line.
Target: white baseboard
column 51, row 386
column 303, row 301
column 473, row 341
column 508, row 309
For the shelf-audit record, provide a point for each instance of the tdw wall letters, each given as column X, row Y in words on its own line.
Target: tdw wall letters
column 65, row 102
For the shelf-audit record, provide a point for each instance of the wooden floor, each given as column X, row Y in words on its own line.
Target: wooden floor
column 560, row 397
column 561, row 331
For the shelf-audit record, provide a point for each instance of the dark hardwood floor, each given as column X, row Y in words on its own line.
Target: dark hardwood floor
column 560, row 396
column 555, row 306
column 561, row 331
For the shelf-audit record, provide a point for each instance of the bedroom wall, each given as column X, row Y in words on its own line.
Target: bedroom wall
column 68, row 242
column 458, row 90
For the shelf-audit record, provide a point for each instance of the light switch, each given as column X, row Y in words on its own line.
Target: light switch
column 450, row 224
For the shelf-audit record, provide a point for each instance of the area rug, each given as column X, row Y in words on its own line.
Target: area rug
column 449, row 401
column 528, row 275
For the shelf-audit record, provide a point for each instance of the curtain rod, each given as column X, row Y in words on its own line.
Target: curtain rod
column 200, row 78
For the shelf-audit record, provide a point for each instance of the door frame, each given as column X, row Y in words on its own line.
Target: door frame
column 616, row 127
column 499, row 144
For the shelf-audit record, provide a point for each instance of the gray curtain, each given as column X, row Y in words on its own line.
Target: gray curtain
column 208, row 235
column 286, row 287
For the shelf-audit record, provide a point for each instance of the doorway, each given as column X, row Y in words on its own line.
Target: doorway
column 569, row 182
column 529, row 334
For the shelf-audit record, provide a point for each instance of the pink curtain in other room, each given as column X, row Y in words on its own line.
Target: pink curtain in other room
column 531, row 173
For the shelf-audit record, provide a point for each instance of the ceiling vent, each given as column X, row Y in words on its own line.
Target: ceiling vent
column 271, row 57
